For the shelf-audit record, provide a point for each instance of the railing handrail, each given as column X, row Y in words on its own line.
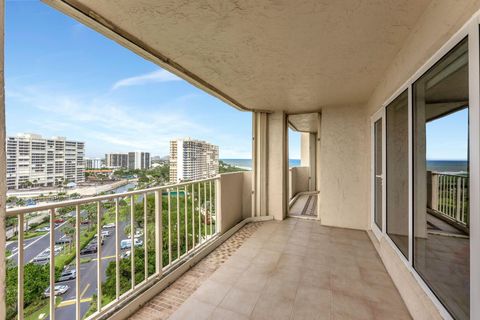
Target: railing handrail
column 12, row 212
column 448, row 174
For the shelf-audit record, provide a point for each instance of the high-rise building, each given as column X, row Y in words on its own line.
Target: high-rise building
column 36, row 161
column 93, row 163
column 116, row 160
column 192, row 159
column 138, row 160
column 128, row 160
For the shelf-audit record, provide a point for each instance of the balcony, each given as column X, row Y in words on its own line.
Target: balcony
column 294, row 269
column 304, row 267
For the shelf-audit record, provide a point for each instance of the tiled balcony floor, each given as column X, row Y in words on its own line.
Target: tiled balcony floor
column 298, row 269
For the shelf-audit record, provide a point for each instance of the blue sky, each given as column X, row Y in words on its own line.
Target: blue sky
column 64, row 79
column 447, row 137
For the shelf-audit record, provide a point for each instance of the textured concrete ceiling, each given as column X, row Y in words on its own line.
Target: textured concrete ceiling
column 296, row 56
column 304, row 122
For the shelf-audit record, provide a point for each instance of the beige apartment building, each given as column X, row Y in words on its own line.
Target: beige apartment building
column 34, row 161
column 192, row 159
column 389, row 237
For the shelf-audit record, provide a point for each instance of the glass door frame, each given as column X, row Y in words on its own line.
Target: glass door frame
column 378, row 116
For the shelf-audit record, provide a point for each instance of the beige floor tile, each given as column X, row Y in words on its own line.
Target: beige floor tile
column 240, row 301
column 193, row 309
column 211, row 292
column 311, row 302
column 271, row 307
column 224, row 314
column 354, row 308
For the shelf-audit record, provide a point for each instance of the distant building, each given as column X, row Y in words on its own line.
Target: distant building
column 93, row 163
column 192, row 159
column 138, row 160
column 128, row 160
column 36, row 161
column 116, row 160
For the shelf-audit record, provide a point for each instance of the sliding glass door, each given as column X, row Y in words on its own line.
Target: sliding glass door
column 441, row 180
column 397, row 172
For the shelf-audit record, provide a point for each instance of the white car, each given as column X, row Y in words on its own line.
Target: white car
column 109, row 226
column 127, row 243
column 43, row 229
column 138, row 234
column 59, row 290
column 106, row 233
column 125, row 254
column 68, row 275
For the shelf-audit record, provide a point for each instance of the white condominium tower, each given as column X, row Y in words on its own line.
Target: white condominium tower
column 192, row 159
column 35, row 161
column 128, row 160
column 93, row 163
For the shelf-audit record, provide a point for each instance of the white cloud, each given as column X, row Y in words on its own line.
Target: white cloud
column 107, row 125
column 155, row 76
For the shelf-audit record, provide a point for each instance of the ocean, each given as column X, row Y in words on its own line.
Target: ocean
column 453, row 166
column 247, row 163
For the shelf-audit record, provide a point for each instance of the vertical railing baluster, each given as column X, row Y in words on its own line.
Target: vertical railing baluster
column 210, row 205
column 20, row 263
column 77, row 263
column 169, row 228
column 158, row 232
column 457, row 199
column 205, row 207
column 99, row 257
column 193, row 215
column 117, row 252
column 464, row 207
column 52, row 264
column 145, row 240
column 199, row 213
column 178, row 225
column 185, row 195
column 132, row 237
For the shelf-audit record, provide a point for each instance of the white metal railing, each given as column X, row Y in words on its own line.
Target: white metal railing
column 450, row 196
column 169, row 244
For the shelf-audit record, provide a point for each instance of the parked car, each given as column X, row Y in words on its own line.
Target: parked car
column 90, row 248
column 106, row 233
column 43, row 229
column 59, row 220
column 85, row 222
column 41, row 258
column 58, row 290
column 127, row 243
column 109, row 226
column 94, row 240
column 125, row 254
column 67, row 275
column 138, row 233
column 64, row 240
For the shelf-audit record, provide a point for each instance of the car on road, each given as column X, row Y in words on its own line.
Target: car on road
column 127, row 243
column 109, row 226
column 106, row 233
column 43, row 229
column 67, row 275
column 125, row 254
column 59, row 220
column 58, row 290
column 138, row 234
column 90, row 248
column 64, row 240
column 94, row 240
column 85, row 222
column 44, row 256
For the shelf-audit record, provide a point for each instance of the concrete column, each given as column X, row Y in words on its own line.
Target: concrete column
column 3, row 162
column 259, row 163
column 277, row 167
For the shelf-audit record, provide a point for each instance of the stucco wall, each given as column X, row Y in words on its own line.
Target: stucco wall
column 298, row 180
column 235, row 198
column 3, row 162
column 344, row 176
